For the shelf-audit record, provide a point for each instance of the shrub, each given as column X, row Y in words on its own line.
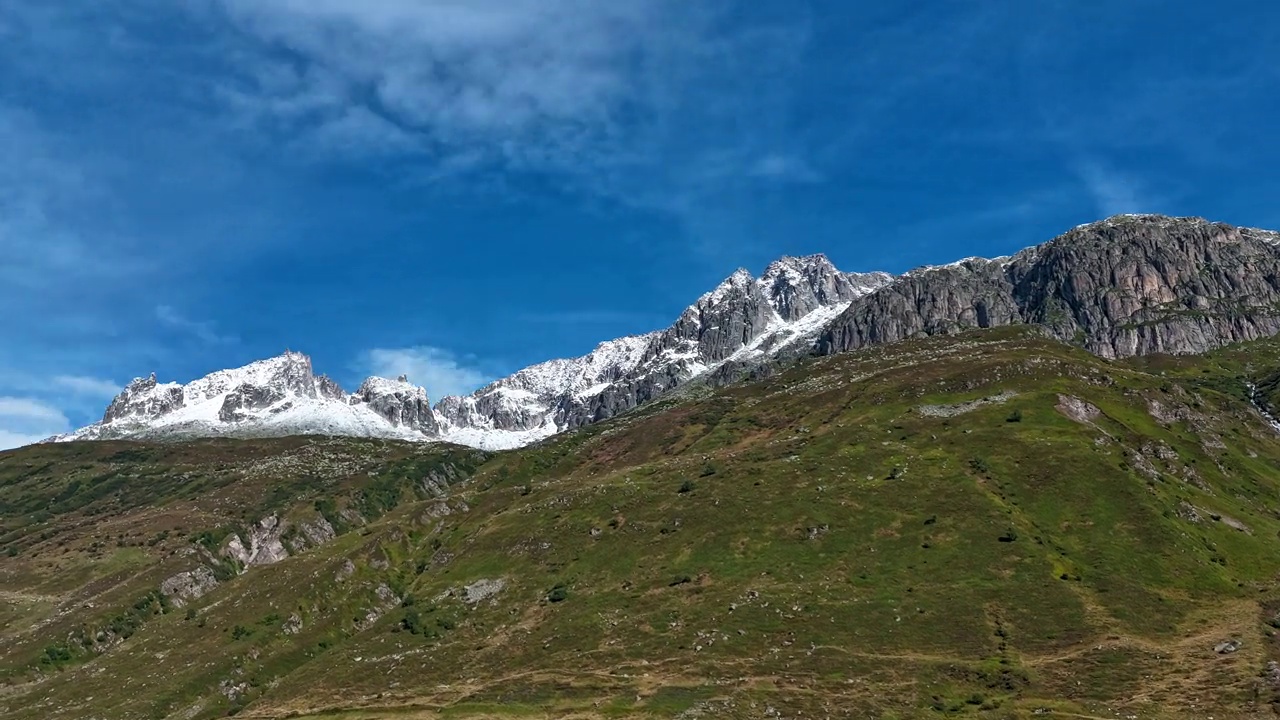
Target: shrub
column 1015, row 416
column 55, row 655
column 686, row 487
column 412, row 621
column 559, row 593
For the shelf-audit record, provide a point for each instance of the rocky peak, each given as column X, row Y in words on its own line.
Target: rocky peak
column 722, row 321
column 1126, row 285
column 144, row 398
column 271, row 397
column 326, row 387
column 796, row 286
column 400, row 402
column 741, row 322
column 289, row 373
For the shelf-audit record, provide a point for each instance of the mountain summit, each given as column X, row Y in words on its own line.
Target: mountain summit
column 740, row 323
column 274, row 397
column 1128, row 285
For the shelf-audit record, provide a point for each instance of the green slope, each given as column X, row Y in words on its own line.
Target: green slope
column 990, row 525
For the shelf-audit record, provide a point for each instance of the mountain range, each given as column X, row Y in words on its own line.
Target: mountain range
column 1038, row 486
column 1128, row 285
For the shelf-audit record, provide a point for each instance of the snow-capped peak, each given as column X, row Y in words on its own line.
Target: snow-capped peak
column 275, row 396
column 739, row 279
column 789, row 268
column 743, row 321
column 287, row 371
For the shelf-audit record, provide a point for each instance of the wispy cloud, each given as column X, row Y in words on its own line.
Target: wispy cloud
column 523, row 81
column 205, row 332
column 30, row 410
column 87, row 386
column 1114, row 192
column 591, row 317
column 27, row 420
column 637, row 101
column 38, row 184
column 439, row 371
column 785, row 168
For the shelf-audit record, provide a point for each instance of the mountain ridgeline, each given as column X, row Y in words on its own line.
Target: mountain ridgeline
column 1129, row 285
column 1126, row 286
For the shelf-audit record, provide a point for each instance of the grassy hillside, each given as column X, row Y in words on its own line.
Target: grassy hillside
column 991, row 525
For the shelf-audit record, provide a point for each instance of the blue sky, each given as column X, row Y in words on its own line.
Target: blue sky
column 459, row 188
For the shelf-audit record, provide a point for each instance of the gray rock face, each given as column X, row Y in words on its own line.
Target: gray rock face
column 268, row 398
column 400, row 403
column 248, row 397
column 733, row 328
column 263, row 546
column 187, row 586
column 482, row 590
column 720, row 323
column 326, row 387
column 144, row 398
column 798, row 286
column 1129, row 285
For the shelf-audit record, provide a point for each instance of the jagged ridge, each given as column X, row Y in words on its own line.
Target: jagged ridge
column 1127, row 285
column 273, row 397
column 742, row 321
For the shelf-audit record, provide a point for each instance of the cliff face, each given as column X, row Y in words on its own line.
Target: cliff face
column 1129, row 285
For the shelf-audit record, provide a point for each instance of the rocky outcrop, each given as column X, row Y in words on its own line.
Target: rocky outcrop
column 326, row 387
column 187, row 586
column 399, row 402
column 144, row 398
column 248, row 397
column 798, row 286
column 1129, row 285
column 483, row 589
column 263, row 544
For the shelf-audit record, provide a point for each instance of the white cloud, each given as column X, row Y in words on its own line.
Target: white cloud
column 203, row 331
column 439, row 371
column 1113, row 192
column 27, row 409
column 11, row 440
column 27, row 420
column 785, row 168
column 637, row 100
column 516, row 77
column 90, row 386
